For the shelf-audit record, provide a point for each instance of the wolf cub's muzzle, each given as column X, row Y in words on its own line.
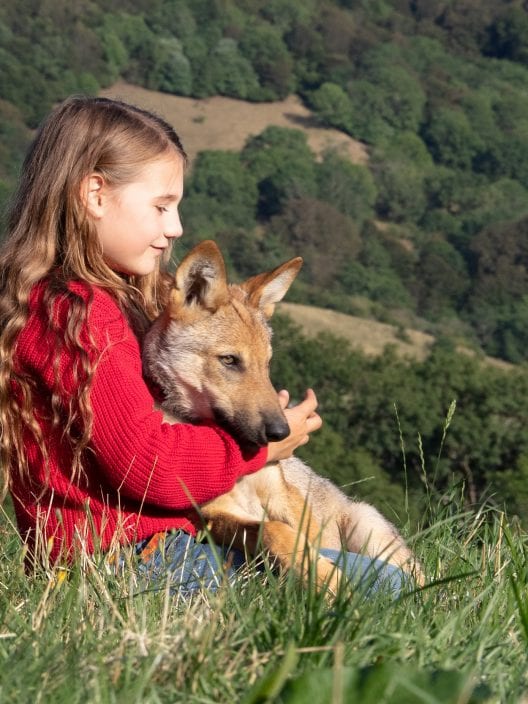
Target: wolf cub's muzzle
column 276, row 429
column 271, row 428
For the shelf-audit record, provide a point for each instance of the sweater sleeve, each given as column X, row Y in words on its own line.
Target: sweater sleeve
column 144, row 458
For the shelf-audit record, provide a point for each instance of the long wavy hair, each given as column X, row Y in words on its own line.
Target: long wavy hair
column 50, row 238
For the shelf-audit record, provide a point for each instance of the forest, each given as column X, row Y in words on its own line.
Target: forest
column 430, row 233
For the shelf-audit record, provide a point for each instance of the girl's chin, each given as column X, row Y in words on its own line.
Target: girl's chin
column 143, row 268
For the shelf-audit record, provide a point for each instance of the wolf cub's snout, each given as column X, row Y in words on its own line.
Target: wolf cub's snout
column 276, row 429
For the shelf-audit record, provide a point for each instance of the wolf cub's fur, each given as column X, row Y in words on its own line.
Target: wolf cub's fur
column 209, row 353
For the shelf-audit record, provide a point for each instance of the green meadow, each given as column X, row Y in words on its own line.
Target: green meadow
column 90, row 635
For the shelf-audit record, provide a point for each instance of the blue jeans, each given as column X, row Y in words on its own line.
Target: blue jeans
column 190, row 566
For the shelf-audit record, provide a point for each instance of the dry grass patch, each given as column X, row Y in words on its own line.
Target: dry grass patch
column 225, row 123
column 370, row 336
column 367, row 336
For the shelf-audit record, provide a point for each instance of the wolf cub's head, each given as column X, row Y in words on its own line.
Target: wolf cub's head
column 210, row 350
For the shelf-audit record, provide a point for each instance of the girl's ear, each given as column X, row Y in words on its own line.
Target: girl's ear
column 92, row 195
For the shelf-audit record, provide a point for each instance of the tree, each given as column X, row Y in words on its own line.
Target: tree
column 373, row 274
column 451, row 139
column 115, row 52
column 306, row 46
column 508, row 36
column 231, row 73
column 23, row 86
column 441, row 278
column 324, row 237
column 139, row 42
column 367, row 122
column 452, row 191
column 401, row 192
column 340, row 32
column 262, row 45
column 498, row 300
column 221, row 192
column 509, row 488
column 281, row 161
column 333, row 106
column 407, row 146
column 174, row 17
column 171, row 70
column 348, row 187
column 500, row 260
column 402, row 109
column 283, row 14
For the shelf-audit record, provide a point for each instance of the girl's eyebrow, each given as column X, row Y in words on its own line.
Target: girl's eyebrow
column 167, row 197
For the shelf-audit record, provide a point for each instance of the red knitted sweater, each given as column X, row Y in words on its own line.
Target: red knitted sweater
column 139, row 472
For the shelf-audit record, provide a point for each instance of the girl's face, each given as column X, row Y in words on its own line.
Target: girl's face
column 136, row 223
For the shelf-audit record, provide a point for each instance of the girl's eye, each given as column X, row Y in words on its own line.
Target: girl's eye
column 162, row 209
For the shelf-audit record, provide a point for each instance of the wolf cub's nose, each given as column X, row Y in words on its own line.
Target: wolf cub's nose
column 276, row 429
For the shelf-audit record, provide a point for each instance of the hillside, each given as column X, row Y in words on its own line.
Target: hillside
column 370, row 336
column 225, row 123
column 424, row 103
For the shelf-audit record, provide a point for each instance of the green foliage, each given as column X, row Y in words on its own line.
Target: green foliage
column 508, row 36
column 372, row 274
column 407, row 146
column 221, row 192
column 501, row 328
column 442, row 279
column 231, row 73
column 403, row 108
column 281, row 161
column 367, row 121
column 401, row 193
column 14, row 139
column 333, row 106
column 501, row 262
column 304, row 224
column 348, row 187
column 262, row 45
column 24, row 86
column 511, row 484
column 115, row 52
column 451, row 139
column 371, row 406
column 171, row 70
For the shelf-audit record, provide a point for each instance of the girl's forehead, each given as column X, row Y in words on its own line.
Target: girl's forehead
column 166, row 173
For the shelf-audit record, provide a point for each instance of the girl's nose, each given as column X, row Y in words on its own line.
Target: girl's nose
column 173, row 227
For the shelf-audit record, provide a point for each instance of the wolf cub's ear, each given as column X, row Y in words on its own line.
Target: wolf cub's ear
column 264, row 290
column 200, row 282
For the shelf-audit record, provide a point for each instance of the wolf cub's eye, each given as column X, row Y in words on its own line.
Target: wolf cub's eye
column 229, row 360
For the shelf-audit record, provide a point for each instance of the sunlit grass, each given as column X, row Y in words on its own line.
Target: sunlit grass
column 91, row 635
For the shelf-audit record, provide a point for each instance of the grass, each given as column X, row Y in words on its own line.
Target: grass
column 89, row 636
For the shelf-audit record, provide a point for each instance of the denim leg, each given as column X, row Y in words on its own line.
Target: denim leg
column 367, row 573
column 189, row 565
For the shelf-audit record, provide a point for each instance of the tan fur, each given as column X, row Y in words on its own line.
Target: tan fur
column 209, row 352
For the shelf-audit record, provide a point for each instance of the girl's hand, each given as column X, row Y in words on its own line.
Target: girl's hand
column 302, row 420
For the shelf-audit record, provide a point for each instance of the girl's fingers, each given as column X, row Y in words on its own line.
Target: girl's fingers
column 284, row 398
column 314, row 422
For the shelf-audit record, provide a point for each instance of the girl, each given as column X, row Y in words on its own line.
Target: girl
column 88, row 461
